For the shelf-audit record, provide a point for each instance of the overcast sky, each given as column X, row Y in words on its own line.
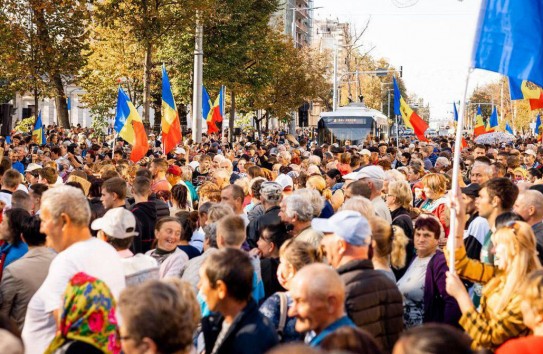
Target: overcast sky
column 432, row 40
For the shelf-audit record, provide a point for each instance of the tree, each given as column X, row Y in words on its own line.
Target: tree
column 42, row 43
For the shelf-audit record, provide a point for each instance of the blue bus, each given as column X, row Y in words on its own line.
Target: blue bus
column 353, row 123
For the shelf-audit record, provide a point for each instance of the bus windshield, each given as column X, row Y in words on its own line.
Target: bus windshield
column 339, row 129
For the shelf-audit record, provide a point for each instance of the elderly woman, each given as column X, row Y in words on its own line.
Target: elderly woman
column 435, row 188
column 499, row 317
column 297, row 213
column 423, row 284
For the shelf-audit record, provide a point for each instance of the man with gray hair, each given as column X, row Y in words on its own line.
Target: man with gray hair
column 65, row 217
column 374, row 177
column 271, row 194
column 297, row 212
column 480, row 172
column 529, row 205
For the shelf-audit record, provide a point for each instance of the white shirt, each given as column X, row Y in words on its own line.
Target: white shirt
column 94, row 257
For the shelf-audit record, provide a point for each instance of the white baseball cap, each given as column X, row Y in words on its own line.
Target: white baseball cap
column 353, row 176
column 374, row 172
column 117, row 223
column 365, row 152
column 347, row 224
column 33, row 167
column 285, row 181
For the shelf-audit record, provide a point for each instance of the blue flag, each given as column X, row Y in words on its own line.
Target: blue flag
column 509, row 129
column 493, row 118
column 206, row 103
column 38, row 133
column 455, row 112
column 123, row 111
column 537, row 124
column 509, row 39
column 397, row 97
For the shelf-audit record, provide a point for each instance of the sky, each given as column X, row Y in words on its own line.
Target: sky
column 432, row 40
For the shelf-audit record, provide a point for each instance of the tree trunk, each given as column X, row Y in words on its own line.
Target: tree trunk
column 232, row 117
column 60, row 102
column 267, row 121
column 147, row 84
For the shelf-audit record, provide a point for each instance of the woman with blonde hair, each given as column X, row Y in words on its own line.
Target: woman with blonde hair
column 499, row 317
column 435, row 188
column 293, row 256
column 318, row 183
column 389, row 246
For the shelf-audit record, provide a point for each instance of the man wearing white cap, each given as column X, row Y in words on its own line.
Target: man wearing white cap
column 118, row 228
column 372, row 300
column 374, row 177
column 530, row 157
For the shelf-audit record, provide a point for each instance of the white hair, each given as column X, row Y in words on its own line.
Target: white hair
column 300, row 206
column 67, row 200
column 394, row 175
column 443, row 161
column 314, row 197
column 314, row 160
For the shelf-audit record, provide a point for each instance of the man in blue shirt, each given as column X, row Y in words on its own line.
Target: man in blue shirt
column 318, row 296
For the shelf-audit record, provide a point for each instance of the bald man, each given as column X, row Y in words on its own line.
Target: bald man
column 318, row 295
column 529, row 205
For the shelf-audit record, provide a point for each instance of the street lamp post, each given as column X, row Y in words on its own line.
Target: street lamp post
column 197, row 82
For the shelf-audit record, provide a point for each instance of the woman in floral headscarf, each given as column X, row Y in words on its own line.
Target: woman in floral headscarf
column 87, row 322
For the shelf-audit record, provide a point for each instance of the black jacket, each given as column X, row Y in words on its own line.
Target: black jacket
column 270, row 217
column 373, row 301
column 250, row 333
column 145, row 214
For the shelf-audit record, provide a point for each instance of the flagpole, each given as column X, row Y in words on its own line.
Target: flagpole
column 456, row 175
column 114, row 141
column 397, row 134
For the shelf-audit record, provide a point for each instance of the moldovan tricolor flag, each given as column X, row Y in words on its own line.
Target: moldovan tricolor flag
column 464, row 142
column 129, row 126
column 171, row 127
column 207, row 112
column 479, row 128
column 538, row 127
column 410, row 118
column 520, row 91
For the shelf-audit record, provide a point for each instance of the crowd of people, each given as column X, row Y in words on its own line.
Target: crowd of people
column 269, row 245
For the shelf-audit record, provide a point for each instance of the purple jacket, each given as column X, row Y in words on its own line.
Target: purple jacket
column 439, row 306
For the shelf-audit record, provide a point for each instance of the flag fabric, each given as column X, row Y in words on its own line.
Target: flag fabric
column 207, row 112
column 509, row 129
column 171, row 127
column 520, row 91
column 410, row 118
column 217, row 109
column 479, row 128
column 464, row 142
column 538, row 127
column 38, row 133
column 493, row 121
column 129, row 126
column 509, row 40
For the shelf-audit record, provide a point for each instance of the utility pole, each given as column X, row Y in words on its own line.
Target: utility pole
column 197, row 82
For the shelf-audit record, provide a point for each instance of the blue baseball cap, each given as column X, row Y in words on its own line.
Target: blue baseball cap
column 350, row 225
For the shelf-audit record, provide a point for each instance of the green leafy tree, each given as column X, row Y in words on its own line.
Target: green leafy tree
column 41, row 42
